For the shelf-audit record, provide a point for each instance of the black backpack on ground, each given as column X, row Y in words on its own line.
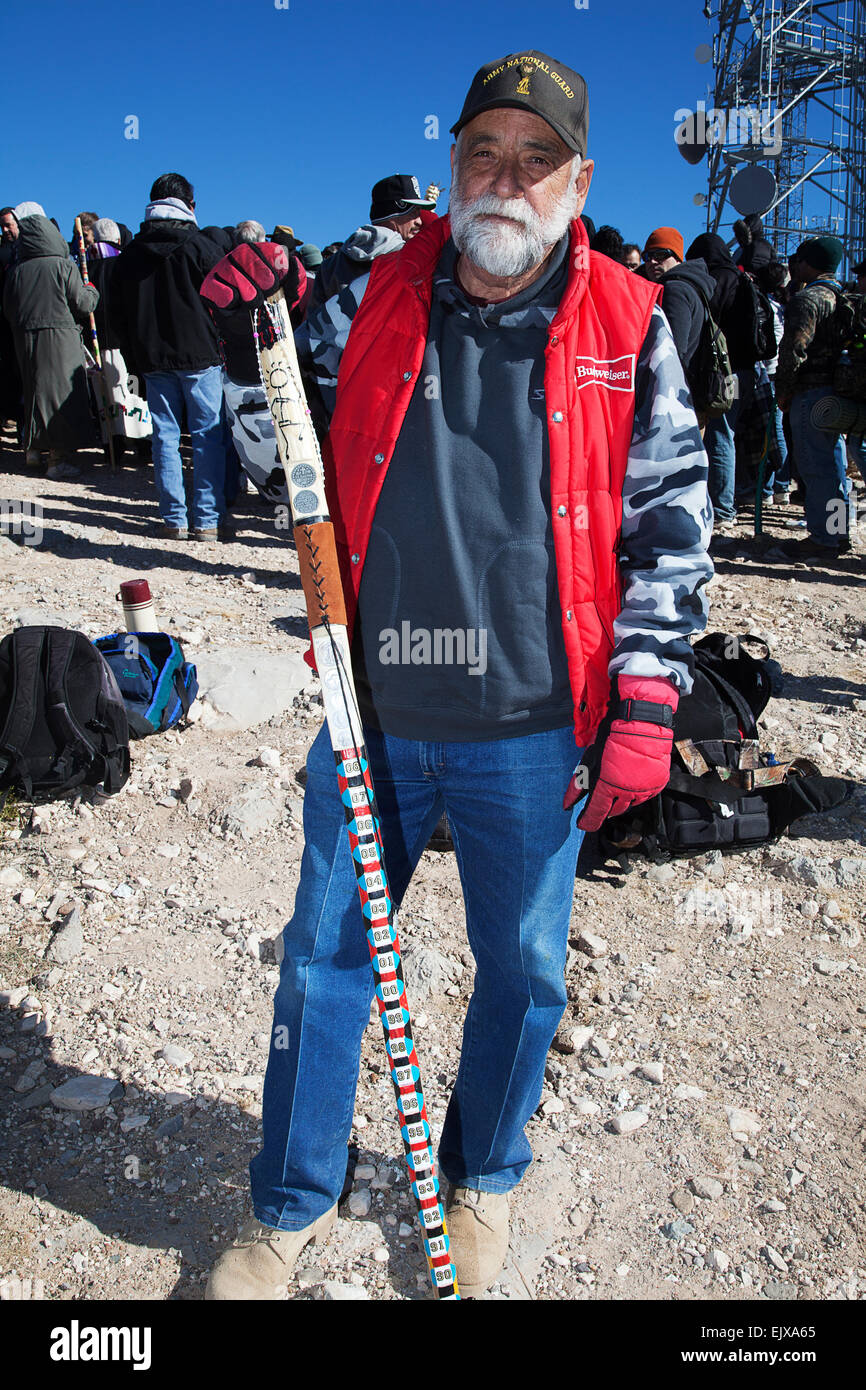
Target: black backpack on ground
column 723, row 792
column 62, row 720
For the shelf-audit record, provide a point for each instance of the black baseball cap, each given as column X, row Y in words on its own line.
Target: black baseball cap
column 396, row 195
column 532, row 81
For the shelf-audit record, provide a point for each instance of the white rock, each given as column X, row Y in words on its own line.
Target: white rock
column 587, row 1107
column 67, row 941
column 333, row 1292
column 688, row 1093
column 718, row 1261
column 360, row 1202
column 591, row 945
column 708, row 1188
column 552, row 1106
column 652, row 1071
column 268, row 757
column 742, row 1122
column 241, row 688
column 628, row 1121
column 775, row 1259
column 825, row 965
column 87, row 1093
column 177, row 1057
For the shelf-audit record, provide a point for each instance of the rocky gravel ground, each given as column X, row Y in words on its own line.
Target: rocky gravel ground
column 701, row 1134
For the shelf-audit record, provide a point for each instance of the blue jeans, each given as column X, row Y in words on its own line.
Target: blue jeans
column 202, row 394
column 821, row 464
column 721, row 450
column 516, row 851
column 857, row 450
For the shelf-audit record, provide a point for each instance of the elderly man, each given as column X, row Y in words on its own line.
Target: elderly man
column 512, row 454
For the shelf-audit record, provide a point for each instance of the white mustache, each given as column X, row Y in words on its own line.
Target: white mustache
column 515, row 209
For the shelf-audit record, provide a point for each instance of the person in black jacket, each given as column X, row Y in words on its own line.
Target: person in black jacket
column 166, row 330
column 686, row 285
column 755, row 252
column 720, row 429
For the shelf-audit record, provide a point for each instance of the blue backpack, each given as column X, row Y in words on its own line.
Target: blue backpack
column 156, row 683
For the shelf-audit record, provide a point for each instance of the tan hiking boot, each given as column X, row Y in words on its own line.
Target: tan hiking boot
column 259, row 1262
column 478, row 1232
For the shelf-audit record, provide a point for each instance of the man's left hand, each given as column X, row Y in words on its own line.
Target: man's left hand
column 635, row 759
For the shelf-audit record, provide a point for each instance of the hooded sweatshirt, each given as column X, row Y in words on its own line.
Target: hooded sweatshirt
column 158, row 315
column 354, row 258
column 46, row 301
column 684, row 307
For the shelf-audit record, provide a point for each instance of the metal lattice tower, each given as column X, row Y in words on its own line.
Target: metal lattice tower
column 801, row 66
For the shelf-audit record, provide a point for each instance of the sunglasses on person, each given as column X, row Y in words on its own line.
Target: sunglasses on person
column 657, row 255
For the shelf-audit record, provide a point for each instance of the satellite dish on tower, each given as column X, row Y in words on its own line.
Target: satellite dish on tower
column 752, row 189
column 691, row 136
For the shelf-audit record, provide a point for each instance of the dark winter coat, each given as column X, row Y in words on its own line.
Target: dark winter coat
column 161, row 322
column 45, row 301
column 753, row 252
column 683, row 306
column 712, row 250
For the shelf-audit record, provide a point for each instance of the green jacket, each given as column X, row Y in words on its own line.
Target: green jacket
column 45, row 301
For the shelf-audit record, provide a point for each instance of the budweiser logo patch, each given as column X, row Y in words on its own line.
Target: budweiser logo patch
column 616, row 373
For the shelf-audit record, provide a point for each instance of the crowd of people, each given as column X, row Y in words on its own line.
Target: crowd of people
column 812, row 318
column 172, row 362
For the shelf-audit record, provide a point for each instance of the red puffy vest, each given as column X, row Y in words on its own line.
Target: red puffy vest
column 591, row 354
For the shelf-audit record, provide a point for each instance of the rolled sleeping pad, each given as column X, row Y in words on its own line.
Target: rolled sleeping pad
column 839, row 415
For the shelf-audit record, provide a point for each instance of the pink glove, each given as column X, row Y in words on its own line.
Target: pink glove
column 635, row 758
column 248, row 274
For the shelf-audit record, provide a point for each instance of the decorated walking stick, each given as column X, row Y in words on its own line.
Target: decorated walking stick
column 94, row 338
column 299, row 454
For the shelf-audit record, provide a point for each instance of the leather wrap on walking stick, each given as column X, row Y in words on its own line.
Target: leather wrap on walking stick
column 320, row 574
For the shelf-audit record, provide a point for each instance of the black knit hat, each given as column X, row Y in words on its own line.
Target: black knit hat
column 532, row 81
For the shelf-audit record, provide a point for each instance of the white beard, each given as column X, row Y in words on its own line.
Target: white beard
column 507, row 250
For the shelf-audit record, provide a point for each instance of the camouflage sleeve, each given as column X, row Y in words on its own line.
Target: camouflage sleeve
column 801, row 320
column 666, row 522
column 320, row 340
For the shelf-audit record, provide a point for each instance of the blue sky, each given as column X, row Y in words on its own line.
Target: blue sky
column 291, row 114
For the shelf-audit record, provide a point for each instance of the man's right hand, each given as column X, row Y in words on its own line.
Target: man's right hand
column 247, row 275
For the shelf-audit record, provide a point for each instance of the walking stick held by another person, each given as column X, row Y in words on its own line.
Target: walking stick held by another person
column 82, row 261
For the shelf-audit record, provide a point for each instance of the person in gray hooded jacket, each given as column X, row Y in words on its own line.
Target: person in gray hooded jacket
column 396, row 205
column 45, row 301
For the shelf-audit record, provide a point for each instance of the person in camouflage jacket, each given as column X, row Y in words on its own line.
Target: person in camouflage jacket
column 810, row 348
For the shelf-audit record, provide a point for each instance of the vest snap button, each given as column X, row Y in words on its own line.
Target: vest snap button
column 562, row 511
column 554, row 341
column 407, row 376
column 378, row 458
column 582, row 706
column 568, row 614
column 557, row 417
column 355, row 559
